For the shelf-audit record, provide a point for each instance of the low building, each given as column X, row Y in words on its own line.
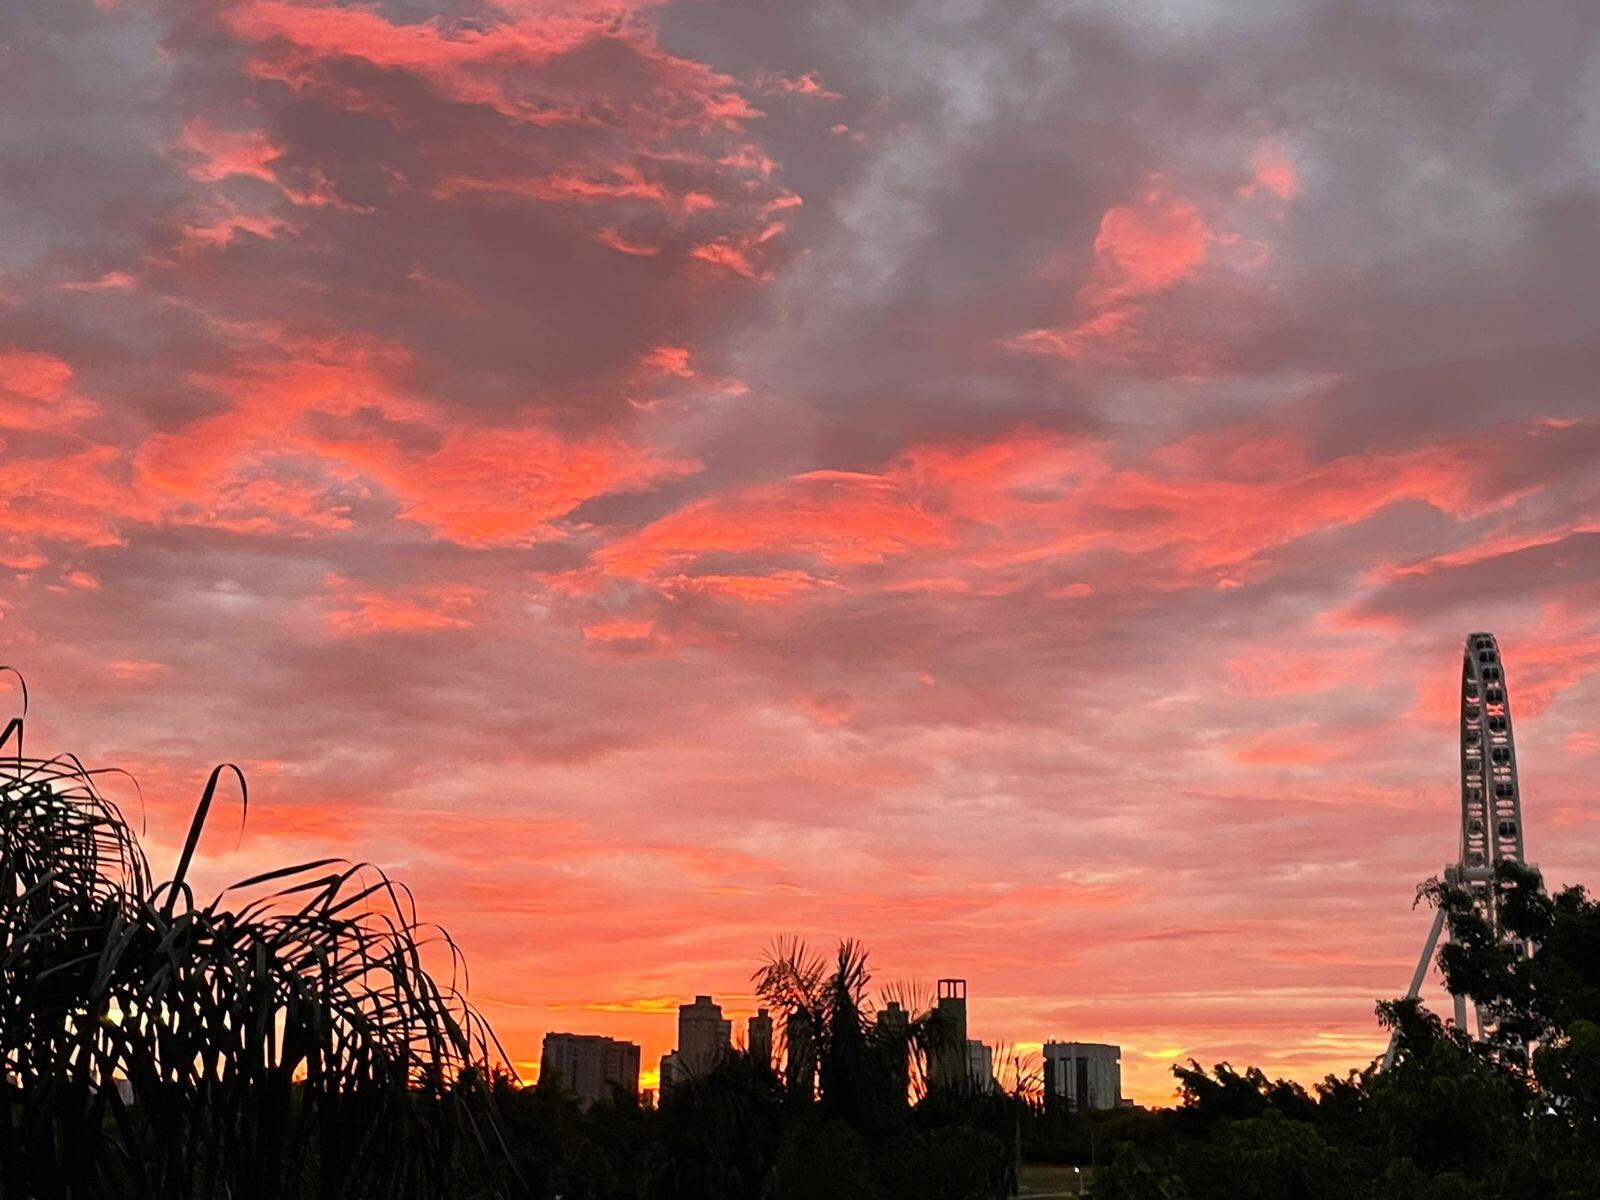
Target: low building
column 670, row 1072
column 592, row 1066
column 1087, row 1075
column 758, row 1036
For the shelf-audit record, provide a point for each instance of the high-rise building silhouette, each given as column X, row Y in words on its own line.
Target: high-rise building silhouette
column 1084, row 1074
column 758, row 1036
column 704, row 1038
column 590, row 1065
column 949, row 1067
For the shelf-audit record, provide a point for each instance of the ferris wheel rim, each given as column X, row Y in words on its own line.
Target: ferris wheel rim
column 1491, row 795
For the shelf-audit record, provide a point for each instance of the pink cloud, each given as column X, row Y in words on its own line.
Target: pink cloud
column 1143, row 248
column 620, row 629
column 622, row 245
column 494, row 487
column 739, row 255
column 622, row 182
column 36, row 393
column 73, row 496
column 220, row 153
column 358, row 611
column 670, row 360
column 1293, row 673
column 1291, row 746
column 477, row 486
column 836, row 518
column 1272, row 172
column 982, row 512
column 806, row 85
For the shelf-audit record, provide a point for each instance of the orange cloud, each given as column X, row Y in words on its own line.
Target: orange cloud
column 727, row 255
column 669, row 360
column 72, row 497
column 359, row 611
column 1143, row 248
column 111, row 281
column 219, row 153
column 1296, row 673
column 835, row 518
column 300, row 43
column 71, row 487
column 1300, row 745
column 806, row 85
column 970, row 519
column 620, row 629
column 1147, row 246
column 298, row 39
column 266, row 399
column 643, row 1004
column 135, row 669
column 1552, row 658
column 36, row 393
column 219, row 224
column 1222, row 523
column 834, row 707
column 750, row 589
column 1489, row 548
column 1585, row 742
column 1272, row 172
column 616, row 241
column 623, row 181
column 337, row 408
column 508, row 487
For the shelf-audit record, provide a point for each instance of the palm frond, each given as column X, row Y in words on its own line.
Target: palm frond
column 282, row 1039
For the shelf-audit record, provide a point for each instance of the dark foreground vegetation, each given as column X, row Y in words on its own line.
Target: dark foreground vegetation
column 285, row 1040
column 281, row 1040
column 1454, row 1119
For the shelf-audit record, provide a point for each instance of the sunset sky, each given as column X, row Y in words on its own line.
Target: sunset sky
column 1004, row 479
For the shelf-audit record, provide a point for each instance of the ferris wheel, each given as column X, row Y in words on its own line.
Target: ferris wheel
column 1491, row 801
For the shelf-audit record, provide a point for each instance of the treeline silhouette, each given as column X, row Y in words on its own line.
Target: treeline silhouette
column 1455, row 1118
column 285, row 1040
